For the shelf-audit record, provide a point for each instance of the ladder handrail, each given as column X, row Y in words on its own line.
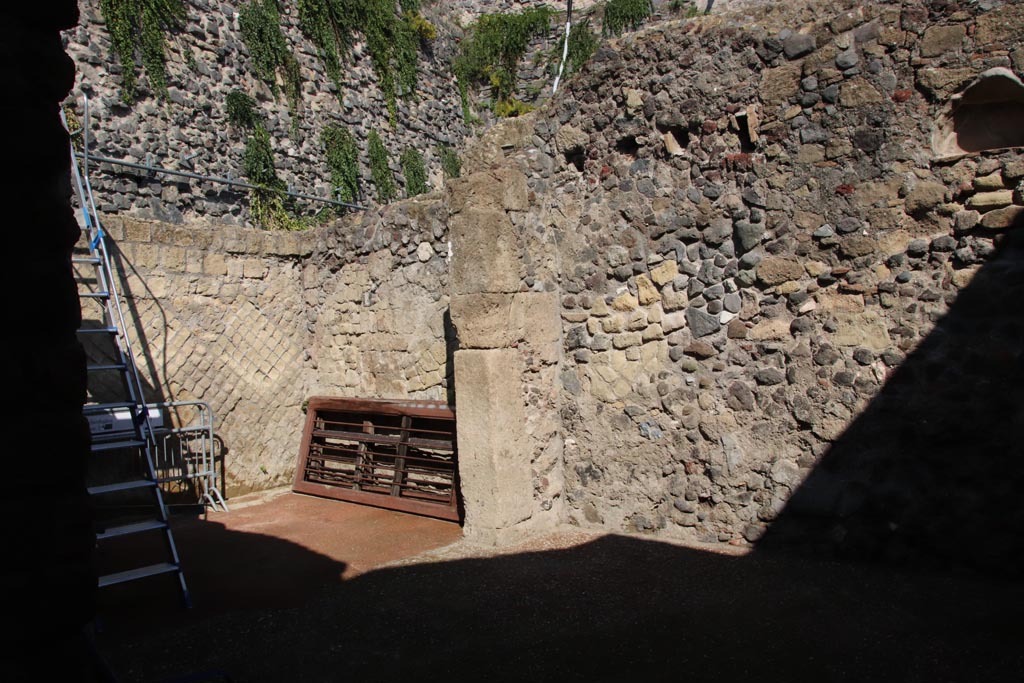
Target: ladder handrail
column 97, row 243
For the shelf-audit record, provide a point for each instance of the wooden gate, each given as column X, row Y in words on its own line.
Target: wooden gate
column 393, row 454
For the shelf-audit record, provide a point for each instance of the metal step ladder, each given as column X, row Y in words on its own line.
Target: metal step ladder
column 122, row 430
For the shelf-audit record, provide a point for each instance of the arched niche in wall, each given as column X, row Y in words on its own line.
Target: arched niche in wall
column 989, row 114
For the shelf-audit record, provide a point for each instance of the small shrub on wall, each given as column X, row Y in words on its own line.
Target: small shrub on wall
column 241, row 110
column 622, row 14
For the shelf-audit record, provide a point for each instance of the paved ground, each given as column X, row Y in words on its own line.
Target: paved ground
column 272, row 550
column 287, row 591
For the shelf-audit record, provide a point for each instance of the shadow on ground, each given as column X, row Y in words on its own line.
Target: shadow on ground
column 613, row 608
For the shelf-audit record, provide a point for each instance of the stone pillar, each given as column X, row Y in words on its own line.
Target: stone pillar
column 502, row 333
column 47, row 576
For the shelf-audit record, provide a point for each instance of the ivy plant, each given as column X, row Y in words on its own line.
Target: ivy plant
column 622, row 14
column 343, row 160
column 267, row 202
column 260, row 22
column 423, row 29
column 258, row 161
column 415, row 172
column 329, row 24
column 451, row 164
column 391, row 40
column 141, row 25
column 490, row 54
column 380, row 170
column 241, row 110
column 582, row 44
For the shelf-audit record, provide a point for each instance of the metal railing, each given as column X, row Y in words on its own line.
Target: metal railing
column 85, row 157
column 149, row 168
column 185, row 452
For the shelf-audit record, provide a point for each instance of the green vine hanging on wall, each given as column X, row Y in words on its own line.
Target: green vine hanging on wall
column 415, row 172
column 330, row 25
column 241, row 110
column 582, row 44
column 451, row 164
column 267, row 203
column 258, row 162
column 391, row 40
column 141, row 25
column 380, row 171
column 491, row 54
column 343, row 160
column 260, row 23
column 622, row 14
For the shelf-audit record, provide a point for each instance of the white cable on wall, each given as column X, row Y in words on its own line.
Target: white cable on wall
column 565, row 45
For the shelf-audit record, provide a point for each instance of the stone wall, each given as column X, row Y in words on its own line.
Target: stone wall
column 190, row 131
column 255, row 322
column 789, row 298
column 767, row 280
column 208, row 59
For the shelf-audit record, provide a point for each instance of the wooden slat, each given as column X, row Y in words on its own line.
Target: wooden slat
column 414, row 408
column 414, row 469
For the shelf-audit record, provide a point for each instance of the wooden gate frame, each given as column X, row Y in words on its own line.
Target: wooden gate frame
column 409, row 411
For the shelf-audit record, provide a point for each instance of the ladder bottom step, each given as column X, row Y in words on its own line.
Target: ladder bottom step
column 121, row 486
column 140, row 573
column 133, row 528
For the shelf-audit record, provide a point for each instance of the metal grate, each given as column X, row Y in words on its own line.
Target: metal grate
column 394, row 454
